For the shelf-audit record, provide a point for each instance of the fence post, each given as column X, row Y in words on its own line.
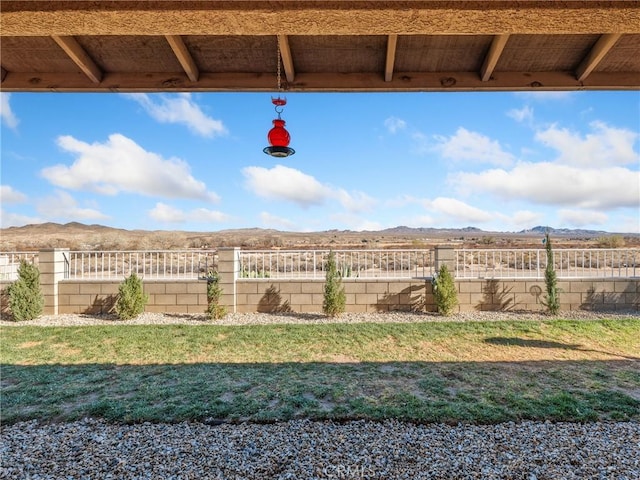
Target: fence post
column 445, row 255
column 51, row 263
column 228, row 269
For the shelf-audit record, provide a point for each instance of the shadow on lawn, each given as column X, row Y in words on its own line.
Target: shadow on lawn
column 423, row 392
column 532, row 343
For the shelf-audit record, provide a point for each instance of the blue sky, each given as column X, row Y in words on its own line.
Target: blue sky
column 496, row 161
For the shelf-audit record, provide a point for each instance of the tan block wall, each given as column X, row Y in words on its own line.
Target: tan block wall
column 95, row 297
column 98, row 297
column 307, row 296
column 473, row 295
column 528, row 295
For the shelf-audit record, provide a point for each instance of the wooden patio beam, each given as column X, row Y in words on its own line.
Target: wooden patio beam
column 287, row 59
column 392, row 43
column 493, row 55
column 75, row 51
column 595, row 56
column 319, row 82
column 184, row 57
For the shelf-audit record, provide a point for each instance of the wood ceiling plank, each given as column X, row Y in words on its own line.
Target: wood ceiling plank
column 392, row 43
column 81, row 58
column 493, row 55
column 3, row 74
column 287, row 59
column 345, row 17
column 595, row 56
column 319, row 82
column 184, row 56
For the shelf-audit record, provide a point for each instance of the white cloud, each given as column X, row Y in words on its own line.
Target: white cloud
column 8, row 117
column 289, row 184
column 605, row 146
column 560, row 185
column 581, row 218
column 456, row 209
column 121, row 165
column 421, row 145
column 356, row 201
column 525, row 218
column 181, row 109
column 168, row 214
column 205, row 215
column 520, row 115
column 355, row 222
column 284, row 183
column 9, row 195
column 629, row 224
column 394, row 124
column 62, row 206
column 273, row 221
column 420, row 221
column 472, row 147
column 10, row 219
column 546, row 95
column 401, row 201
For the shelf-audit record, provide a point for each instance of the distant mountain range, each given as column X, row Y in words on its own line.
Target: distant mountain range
column 399, row 230
column 539, row 230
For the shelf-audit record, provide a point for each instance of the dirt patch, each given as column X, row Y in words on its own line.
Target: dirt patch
column 30, row 344
column 339, row 358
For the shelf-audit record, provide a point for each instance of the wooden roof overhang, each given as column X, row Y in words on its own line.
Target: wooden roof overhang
column 339, row 45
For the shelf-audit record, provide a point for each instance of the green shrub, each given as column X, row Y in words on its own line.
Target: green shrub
column 444, row 291
column 214, row 311
column 611, row 241
column 334, row 297
column 131, row 299
column 26, row 301
column 552, row 298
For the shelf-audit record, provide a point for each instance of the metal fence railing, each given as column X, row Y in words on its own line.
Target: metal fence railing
column 10, row 262
column 531, row 263
column 311, row 264
column 158, row 264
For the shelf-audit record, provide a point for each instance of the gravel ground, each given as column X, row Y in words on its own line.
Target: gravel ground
column 308, row 318
column 301, row 449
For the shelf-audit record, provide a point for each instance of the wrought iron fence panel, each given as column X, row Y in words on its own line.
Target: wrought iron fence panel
column 10, row 262
column 531, row 263
column 311, row 264
column 156, row 264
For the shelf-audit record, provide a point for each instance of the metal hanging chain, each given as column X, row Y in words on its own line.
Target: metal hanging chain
column 278, row 60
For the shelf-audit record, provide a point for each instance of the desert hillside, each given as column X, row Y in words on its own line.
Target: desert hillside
column 78, row 236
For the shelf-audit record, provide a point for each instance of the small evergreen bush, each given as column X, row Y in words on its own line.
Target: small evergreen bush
column 131, row 299
column 26, row 301
column 552, row 298
column 444, row 291
column 215, row 311
column 334, row 297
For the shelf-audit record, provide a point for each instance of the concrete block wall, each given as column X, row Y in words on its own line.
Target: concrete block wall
column 98, row 297
column 412, row 295
column 306, row 296
column 264, row 295
column 528, row 295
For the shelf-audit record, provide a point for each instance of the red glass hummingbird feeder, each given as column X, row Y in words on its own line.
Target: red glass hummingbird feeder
column 278, row 136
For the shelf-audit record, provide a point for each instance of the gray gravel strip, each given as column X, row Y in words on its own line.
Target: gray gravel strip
column 303, row 449
column 148, row 318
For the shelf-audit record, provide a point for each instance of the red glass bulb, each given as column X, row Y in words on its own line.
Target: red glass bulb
column 278, row 135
